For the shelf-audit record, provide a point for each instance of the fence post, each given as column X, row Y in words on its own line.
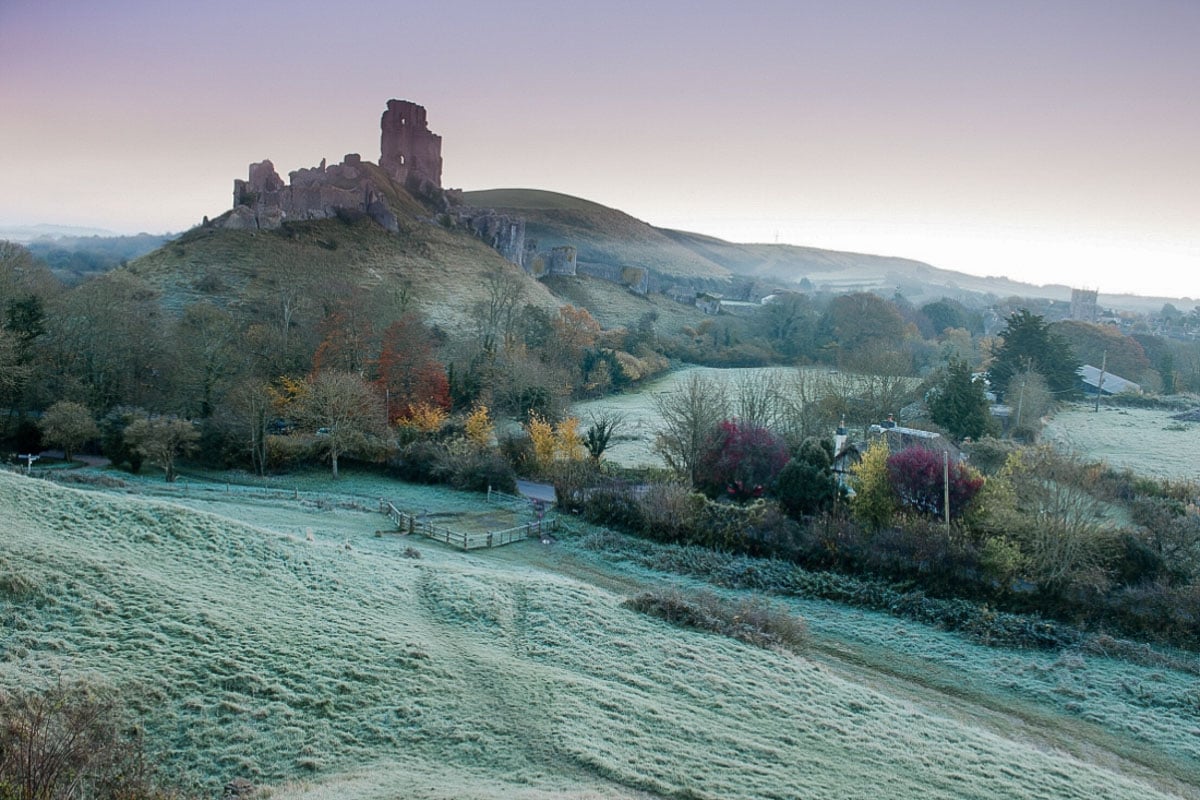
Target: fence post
column 489, row 539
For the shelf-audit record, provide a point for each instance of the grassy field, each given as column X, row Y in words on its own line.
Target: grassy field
column 1146, row 441
column 633, row 444
column 337, row 667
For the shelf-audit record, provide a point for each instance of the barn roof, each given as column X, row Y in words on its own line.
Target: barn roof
column 1113, row 384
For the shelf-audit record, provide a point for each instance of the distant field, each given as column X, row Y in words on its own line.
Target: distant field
column 344, row 669
column 1146, row 441
column 634, row 444
column 634, row 441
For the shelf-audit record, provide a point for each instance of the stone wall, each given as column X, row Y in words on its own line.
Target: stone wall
column 264, row 201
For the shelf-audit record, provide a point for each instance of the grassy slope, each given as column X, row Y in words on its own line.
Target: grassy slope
column 615, row 306
column 444, row 268
column 257, row 653
column 602, row 235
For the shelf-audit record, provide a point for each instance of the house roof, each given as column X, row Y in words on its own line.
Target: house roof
column 1113, row 384
column 901, row 438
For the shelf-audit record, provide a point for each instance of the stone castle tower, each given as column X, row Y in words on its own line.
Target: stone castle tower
column 409, row 152
column 1084, row 305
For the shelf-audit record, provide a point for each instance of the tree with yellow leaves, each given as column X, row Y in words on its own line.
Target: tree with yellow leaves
column 541, row 435
column 424, row 418
column 479, row 427
column 874, row 502
column 568, row 443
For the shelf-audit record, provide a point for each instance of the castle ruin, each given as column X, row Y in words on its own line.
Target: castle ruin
column 411, row 156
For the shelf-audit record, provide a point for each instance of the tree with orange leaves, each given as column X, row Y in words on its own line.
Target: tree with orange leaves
column 408, row 371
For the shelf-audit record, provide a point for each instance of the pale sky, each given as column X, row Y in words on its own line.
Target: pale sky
column 1048, row 141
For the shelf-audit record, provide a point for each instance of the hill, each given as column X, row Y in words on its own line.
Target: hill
column 603, row 236
column 441, row 271
column 345, row 668
column 610, row 239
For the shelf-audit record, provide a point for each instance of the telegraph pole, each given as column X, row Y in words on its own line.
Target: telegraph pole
column 946, row 487
column 1100, row 383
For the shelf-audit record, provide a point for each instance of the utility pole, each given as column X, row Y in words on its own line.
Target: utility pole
column 1020, row 402
column 946, row 488
column 1100, row 383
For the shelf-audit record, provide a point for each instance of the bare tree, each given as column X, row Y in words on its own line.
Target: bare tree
column 248, row 412
column 497, row 313
column 688, row 416
column 801, row 414
column 757, row 398
column 343, row 410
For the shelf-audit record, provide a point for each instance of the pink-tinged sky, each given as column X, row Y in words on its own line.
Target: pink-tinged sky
column 1047, row 140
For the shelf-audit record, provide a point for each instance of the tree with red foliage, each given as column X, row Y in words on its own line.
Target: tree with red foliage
column 917, row 479
column 408, row 370
column 740, row 460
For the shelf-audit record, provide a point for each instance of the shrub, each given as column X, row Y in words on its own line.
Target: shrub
column 475, row 470
column 873, row 503
column 478, row 427
column 740, row 460
column 68, row 741
column 750, row 620
column 419, row 462
column 670, row 511
column 517, row 449
column 614, row 506
column 919, row 476
column 284, row 452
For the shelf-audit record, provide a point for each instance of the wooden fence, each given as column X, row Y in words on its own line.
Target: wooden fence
column 408, row 524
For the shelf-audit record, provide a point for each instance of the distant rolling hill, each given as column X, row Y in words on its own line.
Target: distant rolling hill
column 611, row 238
column 602, row 235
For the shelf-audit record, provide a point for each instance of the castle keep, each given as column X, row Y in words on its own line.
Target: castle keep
column 409, row 152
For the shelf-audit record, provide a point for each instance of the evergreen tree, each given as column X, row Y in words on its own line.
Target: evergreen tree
column 1030, row 344
column 807, row 485
column 958, row 402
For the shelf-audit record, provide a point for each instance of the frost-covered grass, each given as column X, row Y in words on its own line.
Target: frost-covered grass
column 253, row 652
column 1144, row 440
column 1148, row 713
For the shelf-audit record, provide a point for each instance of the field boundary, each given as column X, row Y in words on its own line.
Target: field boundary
column 407, row 524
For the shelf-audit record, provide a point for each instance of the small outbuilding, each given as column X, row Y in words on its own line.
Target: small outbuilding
column 1090, row 382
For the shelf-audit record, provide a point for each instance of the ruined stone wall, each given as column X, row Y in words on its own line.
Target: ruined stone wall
column 264, row 201
column 411, row 155
column 503, row 232
column 409, row 152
